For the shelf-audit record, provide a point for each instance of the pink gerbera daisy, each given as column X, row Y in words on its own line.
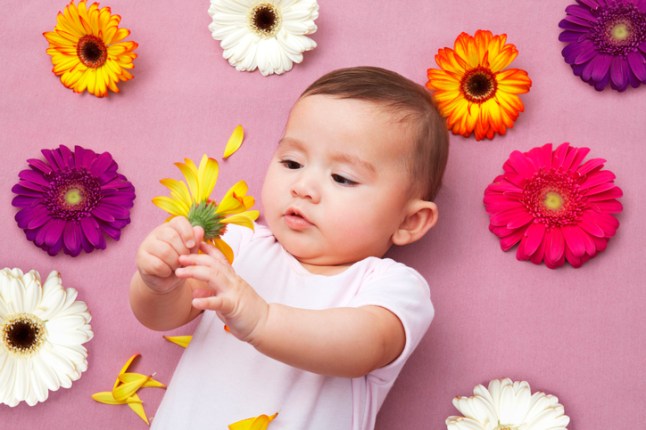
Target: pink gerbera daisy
column 553, row 205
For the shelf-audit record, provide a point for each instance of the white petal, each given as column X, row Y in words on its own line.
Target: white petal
column 7, row 376
column 45, row 373
column 460, row 423
column 32, row 293
column 551, row 419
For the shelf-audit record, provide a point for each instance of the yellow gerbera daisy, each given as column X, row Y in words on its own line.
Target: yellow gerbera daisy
column 473, row 89
column 193, row 202
column 88, row 51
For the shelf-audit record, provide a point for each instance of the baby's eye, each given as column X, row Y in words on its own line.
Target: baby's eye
column 343, row 180
column 291, row 164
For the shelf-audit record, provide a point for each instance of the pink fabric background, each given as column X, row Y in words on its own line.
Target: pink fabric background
column 575, row 333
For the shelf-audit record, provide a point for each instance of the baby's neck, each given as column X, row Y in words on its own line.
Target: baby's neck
column 324, row 270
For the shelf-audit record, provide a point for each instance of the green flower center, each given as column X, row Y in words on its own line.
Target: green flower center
column 265, row 19
column 91, row 51
column 620, row 32
column 553, row 201
column 478, row 85
column 73, row 196
column 23, row 334
column 205, row 216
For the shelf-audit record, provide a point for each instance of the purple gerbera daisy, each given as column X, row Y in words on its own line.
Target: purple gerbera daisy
column 606, row 42
column 71, row 200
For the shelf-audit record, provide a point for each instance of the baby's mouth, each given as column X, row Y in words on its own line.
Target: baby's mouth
column 296, row 220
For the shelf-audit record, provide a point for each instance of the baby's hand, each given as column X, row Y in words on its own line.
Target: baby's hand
column 236, row 303
column 158, row 255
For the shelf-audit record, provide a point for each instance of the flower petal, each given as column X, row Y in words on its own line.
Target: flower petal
column 234, row 142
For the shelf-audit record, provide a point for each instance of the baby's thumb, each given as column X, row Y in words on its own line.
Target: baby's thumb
column 198, row 234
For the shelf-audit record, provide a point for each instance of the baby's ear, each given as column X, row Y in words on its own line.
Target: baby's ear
column 421, row 216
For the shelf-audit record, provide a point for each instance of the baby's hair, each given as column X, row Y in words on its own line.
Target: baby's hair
column 409, row 100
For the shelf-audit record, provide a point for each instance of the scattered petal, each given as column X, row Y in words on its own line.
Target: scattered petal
column 234, row 143
column 182, row 341
column 261, row 422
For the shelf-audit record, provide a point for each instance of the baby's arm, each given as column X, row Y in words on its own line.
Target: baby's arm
column 347, row 342
column 159, row 299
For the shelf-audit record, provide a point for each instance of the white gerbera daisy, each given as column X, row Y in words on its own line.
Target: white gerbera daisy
column 269, row 35
column 42, row 329
column 508, row 405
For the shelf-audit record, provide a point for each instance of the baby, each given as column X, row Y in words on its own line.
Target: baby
column 319, row 324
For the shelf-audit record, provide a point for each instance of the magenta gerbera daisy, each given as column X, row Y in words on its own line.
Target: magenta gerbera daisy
column 606, row 42
column 553, row 205
column 72, row 200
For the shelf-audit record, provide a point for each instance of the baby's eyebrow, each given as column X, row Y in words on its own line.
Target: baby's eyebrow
column 355, row 161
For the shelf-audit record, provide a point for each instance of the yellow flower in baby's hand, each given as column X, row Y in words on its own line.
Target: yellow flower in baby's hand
column 193, row 202
column 261, row 422
column 88, row 51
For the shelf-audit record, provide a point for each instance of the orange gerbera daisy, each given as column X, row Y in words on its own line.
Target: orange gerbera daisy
column 88, row 51
column 473, row 89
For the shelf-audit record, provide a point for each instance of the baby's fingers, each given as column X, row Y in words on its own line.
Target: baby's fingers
column 211, row 250
column 198, row 260
column 213, row 303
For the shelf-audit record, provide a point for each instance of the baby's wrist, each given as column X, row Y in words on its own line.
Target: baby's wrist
column 257, row 334
column 161, row 289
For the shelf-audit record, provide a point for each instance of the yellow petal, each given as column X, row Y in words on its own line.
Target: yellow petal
column 150, row 382
column 244, row 219
column 107, row 398
column 182, row 341
column 207, row 177
column 224, row 248
column 126, row 389
column 260, row 422
column 178, row 190
column 153, row 383
column 189, row 170
column 125, row 367
column 234, row 142
column 137, row 407
column 235, row 200
column 172, row 206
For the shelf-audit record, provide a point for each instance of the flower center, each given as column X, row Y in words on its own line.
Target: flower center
column 72, row 195
column 505, row 427
column 205, row 215
column 91, row 51
column 265, row 19
column 553, row 201
column 619, row 30
column 23, row 334
column 478, row 85
column 553, row 198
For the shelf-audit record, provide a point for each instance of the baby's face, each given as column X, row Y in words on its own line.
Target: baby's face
column 337, row 187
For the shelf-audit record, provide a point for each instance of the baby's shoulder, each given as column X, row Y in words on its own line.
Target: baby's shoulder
column 387, row 268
